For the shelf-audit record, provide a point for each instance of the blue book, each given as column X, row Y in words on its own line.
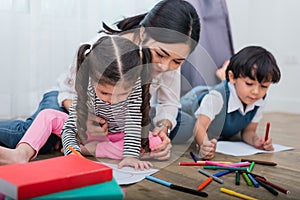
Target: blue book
column 107, row 190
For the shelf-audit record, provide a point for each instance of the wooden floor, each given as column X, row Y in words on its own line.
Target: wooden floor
column 285, row 130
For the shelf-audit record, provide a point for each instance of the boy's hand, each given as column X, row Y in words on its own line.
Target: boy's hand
column 135, row 163
column 260, row 143
column 208, row 148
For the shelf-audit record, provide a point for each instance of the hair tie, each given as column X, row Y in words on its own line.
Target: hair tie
column 141, row 51
column 88, row 50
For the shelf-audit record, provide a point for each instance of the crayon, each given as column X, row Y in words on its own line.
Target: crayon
column 194, row 156
column 255, row 183
column 233, row 193
column 255, row 175
column 251, row 166
column 267, row 131
column 261, row 162
column 237, row 178
column 212, row 163
column 177, row 187
column 205, row 183
column 285, row 191
column 239, row 164
column 267, row 187
column 74, row 151
column 229, row 168
column 246, row 178
column 198, row 163
column 222, row 173
column 208, row 174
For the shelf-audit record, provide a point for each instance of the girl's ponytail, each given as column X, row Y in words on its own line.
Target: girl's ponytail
column 146, row 79
column 81, row 85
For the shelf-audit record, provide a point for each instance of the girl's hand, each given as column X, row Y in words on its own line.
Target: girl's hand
column 96, row 126
column 135, row 163
column 208, row 148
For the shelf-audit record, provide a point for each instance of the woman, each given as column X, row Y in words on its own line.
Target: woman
column 171, row 38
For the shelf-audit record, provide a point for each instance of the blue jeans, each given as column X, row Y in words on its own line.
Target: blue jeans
column 11, row 131
column 183, row 130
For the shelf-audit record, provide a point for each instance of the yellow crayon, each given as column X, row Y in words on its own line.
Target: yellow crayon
column 233, row 193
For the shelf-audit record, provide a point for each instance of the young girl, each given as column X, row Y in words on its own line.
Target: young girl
column 108, row 84
column 236, row 104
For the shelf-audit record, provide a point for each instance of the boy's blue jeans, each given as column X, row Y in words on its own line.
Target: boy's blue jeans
column 11, row 131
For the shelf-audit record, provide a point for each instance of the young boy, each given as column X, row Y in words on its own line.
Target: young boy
column 236, row 104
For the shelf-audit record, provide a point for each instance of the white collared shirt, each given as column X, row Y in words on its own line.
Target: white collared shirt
column 211, row 105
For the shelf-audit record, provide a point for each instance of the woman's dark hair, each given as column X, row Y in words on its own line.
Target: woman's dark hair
column 109, row 60
column 256, row 63
column 169, row 21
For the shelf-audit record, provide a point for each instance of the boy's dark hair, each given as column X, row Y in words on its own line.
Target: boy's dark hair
column 256, row 63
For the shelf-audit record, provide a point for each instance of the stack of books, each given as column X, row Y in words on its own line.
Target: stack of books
column 64, row 177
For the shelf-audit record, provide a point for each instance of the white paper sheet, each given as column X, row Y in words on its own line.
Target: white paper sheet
column 128, row 175
column 243, row 149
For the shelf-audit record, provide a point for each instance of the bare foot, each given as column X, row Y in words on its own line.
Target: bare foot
column 23, row 153
column 221, row 72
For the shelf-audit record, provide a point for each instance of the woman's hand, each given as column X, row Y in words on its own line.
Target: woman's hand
column 135, row 163
column 96, row 126
column 208, row 148
column 162, row 151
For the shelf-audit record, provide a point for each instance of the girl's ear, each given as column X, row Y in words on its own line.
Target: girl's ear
column 231, row 77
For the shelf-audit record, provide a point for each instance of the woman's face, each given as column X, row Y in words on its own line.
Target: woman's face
column 166, row 56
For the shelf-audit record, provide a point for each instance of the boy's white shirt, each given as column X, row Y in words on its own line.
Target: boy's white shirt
column 212, row 104
column 164, row 97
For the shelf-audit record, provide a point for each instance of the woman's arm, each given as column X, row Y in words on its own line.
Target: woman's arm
column 166, row 97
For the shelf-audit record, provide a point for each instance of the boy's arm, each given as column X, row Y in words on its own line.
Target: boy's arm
column 200, row 129
column 249, row 136
column 207, row 147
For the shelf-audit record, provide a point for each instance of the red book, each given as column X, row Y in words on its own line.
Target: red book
column 32, row 179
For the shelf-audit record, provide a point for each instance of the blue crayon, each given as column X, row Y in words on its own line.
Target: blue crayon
column 194, row 156
column 157, row 180
column 255, row 183
column 219, row 174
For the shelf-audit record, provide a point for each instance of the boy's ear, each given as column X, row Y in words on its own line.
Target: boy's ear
column 231, row 77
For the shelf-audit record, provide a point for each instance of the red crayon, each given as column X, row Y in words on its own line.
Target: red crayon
column 198, row 163
column 267, row 131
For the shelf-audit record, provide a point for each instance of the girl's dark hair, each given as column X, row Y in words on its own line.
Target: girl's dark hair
column 176, row 18
column 109, row 60
column 256, row 63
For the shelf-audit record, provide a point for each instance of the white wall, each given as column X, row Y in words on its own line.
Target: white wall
column 39, row 39
column 273, row 24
